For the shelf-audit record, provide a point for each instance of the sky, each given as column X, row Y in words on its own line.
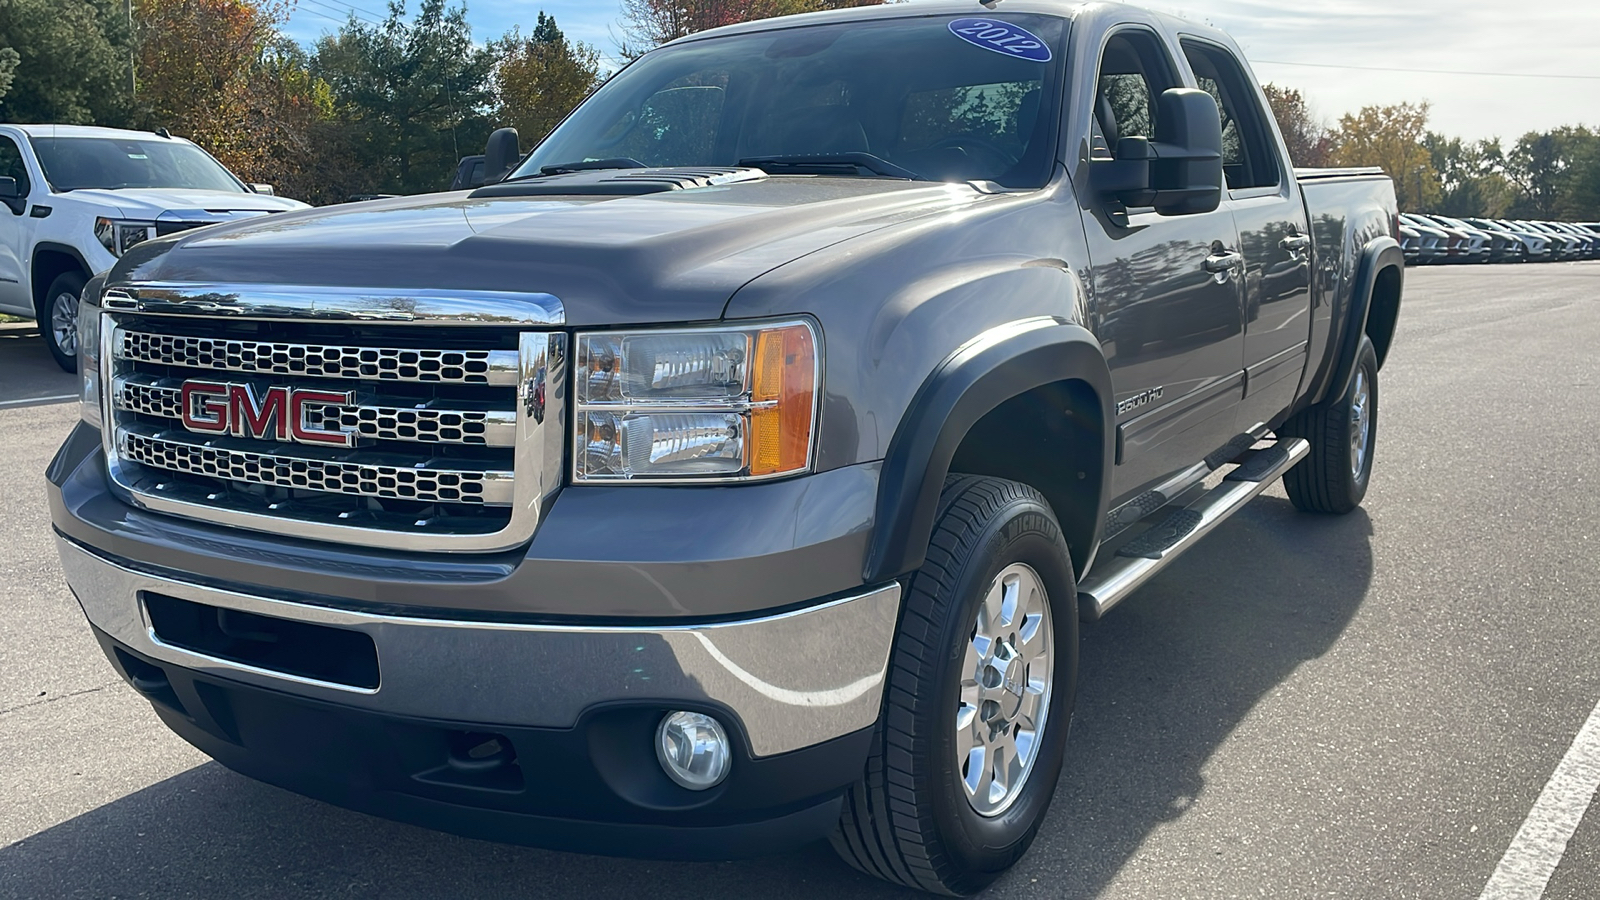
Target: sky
column 1325, row 48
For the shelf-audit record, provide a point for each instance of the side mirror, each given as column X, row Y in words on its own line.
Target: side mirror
column 501, row 153
column 264, row 189
column 11, row 195
column 1180, row 172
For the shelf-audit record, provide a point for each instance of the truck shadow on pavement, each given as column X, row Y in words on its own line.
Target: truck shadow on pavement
column 1165, row 680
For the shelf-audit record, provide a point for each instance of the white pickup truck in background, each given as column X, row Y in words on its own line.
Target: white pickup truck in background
column 76, row 197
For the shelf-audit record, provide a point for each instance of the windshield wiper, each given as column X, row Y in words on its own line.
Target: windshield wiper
column 829, row 164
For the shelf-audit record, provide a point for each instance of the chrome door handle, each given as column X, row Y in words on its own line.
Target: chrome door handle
column 1220, row 263
column 1294, row 243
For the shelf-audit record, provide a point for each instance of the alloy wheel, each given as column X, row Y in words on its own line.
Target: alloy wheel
column 1005, row 690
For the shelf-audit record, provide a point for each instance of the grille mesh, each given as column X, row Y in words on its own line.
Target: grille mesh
column 321, row 360
column 436, row 485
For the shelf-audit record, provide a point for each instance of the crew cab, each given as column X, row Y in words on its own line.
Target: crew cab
column 76, row 197
column 736, row 471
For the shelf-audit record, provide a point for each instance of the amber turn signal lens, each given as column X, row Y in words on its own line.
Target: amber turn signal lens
column 783, row 388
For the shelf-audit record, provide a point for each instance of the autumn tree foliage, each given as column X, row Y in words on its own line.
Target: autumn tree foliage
column 1391, row 137
column 541, row 77
column 647, row 24
column 1309, row 141
column 197, row 70
column 219, row 73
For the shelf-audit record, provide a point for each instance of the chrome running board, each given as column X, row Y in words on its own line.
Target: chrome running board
column 1113, row 579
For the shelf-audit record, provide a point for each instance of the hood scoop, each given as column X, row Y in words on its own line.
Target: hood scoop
column 620, row 182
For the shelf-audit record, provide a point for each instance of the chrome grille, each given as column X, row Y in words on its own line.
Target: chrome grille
column 163, row 450
column 456, row 430
column 280, row 358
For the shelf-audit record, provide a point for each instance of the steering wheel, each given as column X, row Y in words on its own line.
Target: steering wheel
column 964, row 141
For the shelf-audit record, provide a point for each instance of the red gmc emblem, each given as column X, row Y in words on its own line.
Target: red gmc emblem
column 243, row 410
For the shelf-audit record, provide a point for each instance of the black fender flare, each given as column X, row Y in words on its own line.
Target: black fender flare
column 1379, row 254
column 55, row 247
column 1000, row 364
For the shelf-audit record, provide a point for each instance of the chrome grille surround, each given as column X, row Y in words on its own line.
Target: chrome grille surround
column 511, row 426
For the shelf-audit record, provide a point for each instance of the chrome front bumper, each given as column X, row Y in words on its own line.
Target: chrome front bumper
column 793, row 679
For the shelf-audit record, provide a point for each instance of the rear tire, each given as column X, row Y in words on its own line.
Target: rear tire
column 930, row 811
column 1343, row 432
column 58, row 318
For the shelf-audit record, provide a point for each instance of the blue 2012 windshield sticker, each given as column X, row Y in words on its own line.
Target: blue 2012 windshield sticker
column 1000, row 37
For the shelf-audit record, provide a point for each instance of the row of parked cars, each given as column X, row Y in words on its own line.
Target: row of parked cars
column 1429, row 238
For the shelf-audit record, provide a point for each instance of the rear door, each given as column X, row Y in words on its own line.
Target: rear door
column 1274, row 236
column 13, row 228
column 1167, row 301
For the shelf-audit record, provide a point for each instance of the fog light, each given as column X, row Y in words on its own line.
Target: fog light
column 693, row 750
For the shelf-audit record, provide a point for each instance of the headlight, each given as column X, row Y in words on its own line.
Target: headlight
column 117, row 235
column 89, row 352
column 708, row 404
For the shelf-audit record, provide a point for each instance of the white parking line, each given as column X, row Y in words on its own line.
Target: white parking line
column 1525, row 870
column 37, row 401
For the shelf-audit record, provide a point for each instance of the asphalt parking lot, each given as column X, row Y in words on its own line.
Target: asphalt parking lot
column 28, row 373
column 1366, row 706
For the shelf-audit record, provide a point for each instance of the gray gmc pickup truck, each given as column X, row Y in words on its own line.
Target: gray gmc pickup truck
column 735, row 469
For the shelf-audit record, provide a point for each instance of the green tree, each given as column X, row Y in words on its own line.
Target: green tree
column 1556, row 174
column 1472, row 180
column 542, row 77
column 1390, row 137
column 68, row 61
column 8, row 69
column 412, row 96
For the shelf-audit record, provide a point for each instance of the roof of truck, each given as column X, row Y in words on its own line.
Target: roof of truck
column 1067, row 9
column 1064, row 8
column 80, row 131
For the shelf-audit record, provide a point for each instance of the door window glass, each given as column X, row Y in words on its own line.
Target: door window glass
column 1134, row 70
column 12, row 166
column 1249, row 158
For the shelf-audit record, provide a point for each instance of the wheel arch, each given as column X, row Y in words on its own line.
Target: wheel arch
column 1384, row 310
column 1374, row 309
column 50, row 261
column 981, row 409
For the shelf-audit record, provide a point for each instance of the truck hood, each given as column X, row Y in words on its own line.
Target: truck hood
column 148, row 203
column 673, row 256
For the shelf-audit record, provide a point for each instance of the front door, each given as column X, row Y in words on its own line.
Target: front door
column 1166, row 291
column 13, row 286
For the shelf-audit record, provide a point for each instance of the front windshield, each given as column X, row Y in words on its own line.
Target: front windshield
column 75, row 163
column 913, row 92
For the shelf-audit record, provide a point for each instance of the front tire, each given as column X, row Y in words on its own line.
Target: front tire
column 980, row 690
column 58, row 319
column 1343, row 432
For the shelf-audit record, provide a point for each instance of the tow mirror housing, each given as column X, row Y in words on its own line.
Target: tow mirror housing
column 501, row 153
column 1180, row 172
